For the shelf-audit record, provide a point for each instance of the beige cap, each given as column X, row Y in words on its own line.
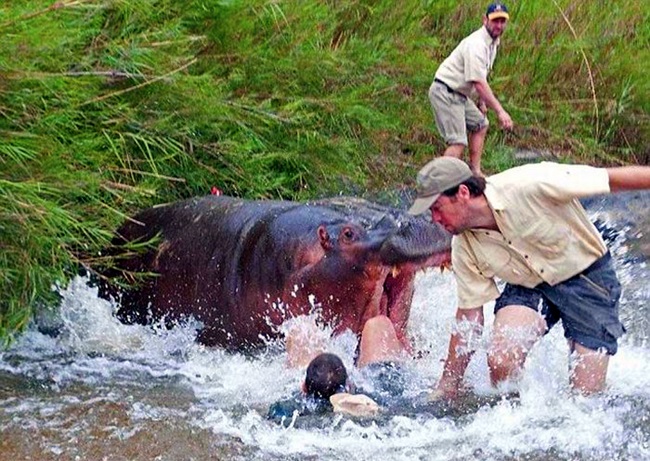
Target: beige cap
column 354, row 404
column 437, row 176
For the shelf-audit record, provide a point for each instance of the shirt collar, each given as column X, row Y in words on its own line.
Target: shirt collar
column 488, row 38
column 494, row 197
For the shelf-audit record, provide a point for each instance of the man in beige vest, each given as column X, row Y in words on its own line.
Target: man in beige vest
column 526, row 227
column 460, row 80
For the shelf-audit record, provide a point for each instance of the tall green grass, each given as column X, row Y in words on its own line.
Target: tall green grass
column 108, row 106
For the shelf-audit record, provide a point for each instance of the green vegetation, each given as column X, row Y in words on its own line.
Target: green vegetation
column 109, row 106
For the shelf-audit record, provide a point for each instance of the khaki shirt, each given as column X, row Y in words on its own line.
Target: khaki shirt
column 470, row 61
column 545, row 234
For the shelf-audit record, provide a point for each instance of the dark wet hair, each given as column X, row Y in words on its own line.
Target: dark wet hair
column 475, row 184
column 326, row 376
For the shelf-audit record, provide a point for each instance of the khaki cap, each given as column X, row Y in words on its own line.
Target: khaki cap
column 354, row 404
column 434, row 178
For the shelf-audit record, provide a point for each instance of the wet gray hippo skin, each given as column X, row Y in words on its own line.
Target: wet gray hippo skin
column 242, row 267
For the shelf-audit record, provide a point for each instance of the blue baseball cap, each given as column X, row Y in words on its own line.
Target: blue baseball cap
column 497, row 10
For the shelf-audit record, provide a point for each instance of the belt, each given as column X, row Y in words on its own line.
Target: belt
column 449, row 89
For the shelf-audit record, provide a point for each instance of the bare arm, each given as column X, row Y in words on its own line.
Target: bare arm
column 469, row 325
column 303, row 341
column 629, row 178
column 487, row 97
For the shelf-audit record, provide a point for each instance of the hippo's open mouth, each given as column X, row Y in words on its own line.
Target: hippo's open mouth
column 416, row 245
column 396, row 287
column 393, row 295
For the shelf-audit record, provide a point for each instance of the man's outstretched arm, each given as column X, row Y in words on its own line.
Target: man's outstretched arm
column 629, row 178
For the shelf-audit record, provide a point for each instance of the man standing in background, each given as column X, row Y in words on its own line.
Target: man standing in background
column 460, row 80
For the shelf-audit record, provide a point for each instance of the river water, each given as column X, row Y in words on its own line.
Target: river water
column 100, row 390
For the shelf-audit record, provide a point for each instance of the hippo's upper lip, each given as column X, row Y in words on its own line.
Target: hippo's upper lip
column 417, row 241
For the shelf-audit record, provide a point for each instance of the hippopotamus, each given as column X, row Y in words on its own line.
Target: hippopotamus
column 243, row 267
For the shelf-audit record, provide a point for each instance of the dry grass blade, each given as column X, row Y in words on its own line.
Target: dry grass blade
column 147, row 173
column 53, row 7
column 141, row 85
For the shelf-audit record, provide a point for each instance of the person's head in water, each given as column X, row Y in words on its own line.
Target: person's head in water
column 326, row 376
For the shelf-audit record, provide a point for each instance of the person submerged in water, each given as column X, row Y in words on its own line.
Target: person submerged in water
column 327, row 387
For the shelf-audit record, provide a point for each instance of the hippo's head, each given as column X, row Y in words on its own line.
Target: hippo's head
column 371, row 256
column 391, row 235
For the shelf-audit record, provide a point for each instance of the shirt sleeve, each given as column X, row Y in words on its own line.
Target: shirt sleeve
column 567, row 182
column 473, row 288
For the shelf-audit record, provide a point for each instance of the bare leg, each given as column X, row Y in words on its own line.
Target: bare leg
column 588, row 369
column 476, row 141
column 454, row 150
column 379, row 342
column 516, row 329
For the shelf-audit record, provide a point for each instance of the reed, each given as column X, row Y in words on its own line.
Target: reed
column 109, row 106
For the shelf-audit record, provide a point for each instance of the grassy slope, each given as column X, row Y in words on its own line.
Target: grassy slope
column 110, row 106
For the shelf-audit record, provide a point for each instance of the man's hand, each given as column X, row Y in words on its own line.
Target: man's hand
column 304, row 340
column 482, row 107
column 504, row 120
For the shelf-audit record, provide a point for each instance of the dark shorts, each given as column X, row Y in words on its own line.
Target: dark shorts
column 587, row 304
column 383, row 382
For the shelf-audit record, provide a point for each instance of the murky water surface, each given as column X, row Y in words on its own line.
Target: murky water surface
column 101, row 390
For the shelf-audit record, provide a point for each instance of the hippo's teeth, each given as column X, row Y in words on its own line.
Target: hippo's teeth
column 395, row 271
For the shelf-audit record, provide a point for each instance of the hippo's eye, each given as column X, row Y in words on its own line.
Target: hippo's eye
column 348, row 234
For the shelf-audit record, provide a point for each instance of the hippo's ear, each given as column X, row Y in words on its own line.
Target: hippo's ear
column 324, row 238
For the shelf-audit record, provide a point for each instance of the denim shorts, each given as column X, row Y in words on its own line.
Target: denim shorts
column 586, row 303
column 385, row 382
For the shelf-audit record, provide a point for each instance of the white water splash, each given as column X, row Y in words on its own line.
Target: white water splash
column 158, row 374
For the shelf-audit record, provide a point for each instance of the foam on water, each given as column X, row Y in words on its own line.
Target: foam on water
column 155, row 374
